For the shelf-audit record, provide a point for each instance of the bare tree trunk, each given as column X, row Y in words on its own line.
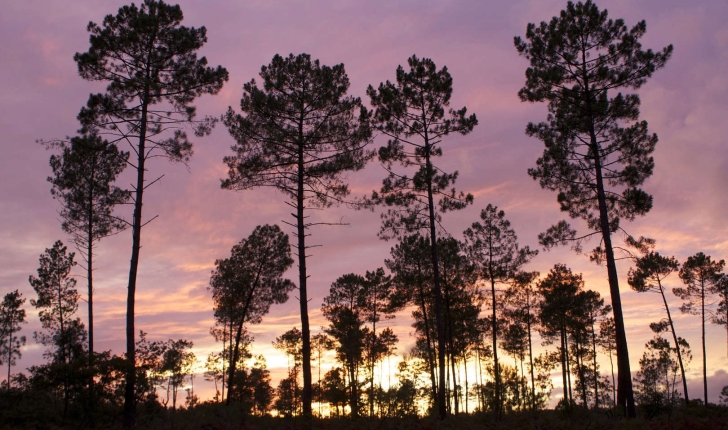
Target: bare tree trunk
column 302, row 280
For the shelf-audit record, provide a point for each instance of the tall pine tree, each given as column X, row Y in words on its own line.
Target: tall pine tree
column 411, row 113
column 597, row 154
column 299, row 134
column 150, row 62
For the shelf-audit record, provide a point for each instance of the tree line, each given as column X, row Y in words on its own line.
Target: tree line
column 299, row 132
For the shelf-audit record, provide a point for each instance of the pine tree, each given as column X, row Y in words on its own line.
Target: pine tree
column 647, row 276
column 154, row 75
column 411, row 113
column 12, row 315
column 57, row 304
column 245, row 285
column 493, row 246
column 82, row 179
column 299, row 134
column 597, row 153
column 701, row 275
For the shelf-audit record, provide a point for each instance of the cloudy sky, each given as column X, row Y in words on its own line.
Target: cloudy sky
column 685, row 104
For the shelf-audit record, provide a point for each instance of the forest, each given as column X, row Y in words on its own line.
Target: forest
column 488, row 341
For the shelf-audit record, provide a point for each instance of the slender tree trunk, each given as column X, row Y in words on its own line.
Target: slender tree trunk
column 430, row 357
column 467, row 388
column 567, row 403
column 10, row 347
column 244, row 314
column 90, row 326
column 496, row 367
column 129, row 394
column 530, row 351
column 442, row 406
column 702, row 314
column 596, row 377
column 580, row 368
column 614, row 382
column 625, row 395
column 677, row 344
column 303, row 278
column 568, row 365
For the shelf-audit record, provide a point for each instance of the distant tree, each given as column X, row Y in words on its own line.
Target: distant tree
column 657, row 378
column 378, row 289
column 701, row 275
column 262, row 392
column 291, row 344
column 462, row 302
column 320, row 343
column 149, row 373
column 333, row 390
column 411, row 267
column 299, row 135
column 560, row 290
column 647, row 276
column 607, row 341
column 57, row 304
column 411, row 112
column 288, row 397
column 597, row 154
column 593, row 311
column 177, row 364
column 524, row 302
column 214, row 372
column 493, row 247
column 149, row 60
column 12, row 315
column 245, row 285
column 343, row 308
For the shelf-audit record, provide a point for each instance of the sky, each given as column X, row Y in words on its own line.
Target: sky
column 685, row 104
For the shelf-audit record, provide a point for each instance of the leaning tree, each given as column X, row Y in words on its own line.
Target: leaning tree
column 597, row 153
column 411, row 113
column 246, row 284
column 299, row 134
column 150, row 62
column 647, row 276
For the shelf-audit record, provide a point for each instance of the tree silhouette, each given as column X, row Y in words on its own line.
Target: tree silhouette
column 289, row 392
column 411, row 267
column 597, row 154
column 57, row 303
column 343, row 308
column 12, row 315
column 701, row 275
column 411, row 112
column 524, row 301
column 647, row 276
column 298, row 134
column 656, row 379
column 177, row 363
column 154, row 75
column 607, row 341
column 378, row 289
column 245, row 285
column 82, row 179
column 560, row 290
column 493, row 247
